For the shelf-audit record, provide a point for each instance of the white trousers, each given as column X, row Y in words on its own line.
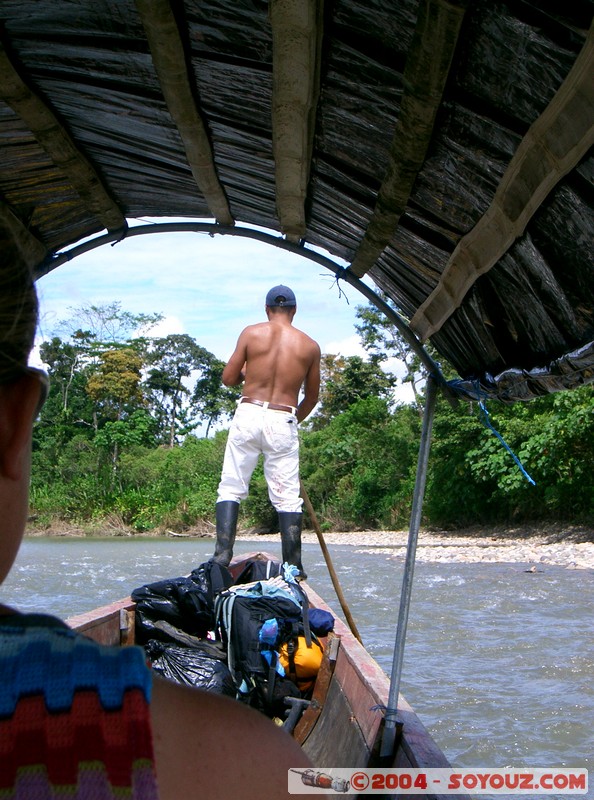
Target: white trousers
column 256, row 430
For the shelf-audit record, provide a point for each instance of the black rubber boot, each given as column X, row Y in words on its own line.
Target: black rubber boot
column 227, row 512
column 290, row 523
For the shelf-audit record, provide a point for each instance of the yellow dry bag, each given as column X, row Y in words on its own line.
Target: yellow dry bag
column 301, row 662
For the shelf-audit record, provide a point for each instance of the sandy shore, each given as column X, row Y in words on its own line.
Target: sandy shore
column 572, row 548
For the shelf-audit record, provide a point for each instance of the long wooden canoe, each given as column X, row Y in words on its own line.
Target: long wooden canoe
column 342, row 727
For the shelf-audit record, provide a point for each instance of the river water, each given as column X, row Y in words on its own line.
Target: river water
column 499, row 663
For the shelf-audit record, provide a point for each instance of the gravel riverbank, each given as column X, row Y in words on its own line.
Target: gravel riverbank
column 567, row 547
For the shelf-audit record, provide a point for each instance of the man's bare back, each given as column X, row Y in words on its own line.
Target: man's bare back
column 275, row 360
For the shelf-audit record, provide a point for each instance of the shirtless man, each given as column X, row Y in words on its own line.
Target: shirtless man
column 274, row 360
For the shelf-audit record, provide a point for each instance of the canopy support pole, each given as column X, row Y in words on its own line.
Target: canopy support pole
column 389, row 734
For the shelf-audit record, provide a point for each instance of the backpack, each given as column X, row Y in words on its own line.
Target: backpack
column 254, row 621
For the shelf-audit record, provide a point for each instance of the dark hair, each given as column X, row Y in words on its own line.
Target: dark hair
column 18, row 315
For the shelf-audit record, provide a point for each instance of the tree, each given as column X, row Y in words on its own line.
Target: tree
column 116, row 382
column 381, row 338
column 553, row 437
column 345, row 381
column 93, row 332
column 68, row 412
column 174, row 359
column 359, row 468
column 211, row 398
column 114, row 386
column 62, row 360
column 109, row 323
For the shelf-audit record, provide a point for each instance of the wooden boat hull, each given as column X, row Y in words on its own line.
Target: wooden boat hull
column 343, row 725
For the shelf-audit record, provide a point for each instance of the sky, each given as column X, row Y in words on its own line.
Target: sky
column 207, row 287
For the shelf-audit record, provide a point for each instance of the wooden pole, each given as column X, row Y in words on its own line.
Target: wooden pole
column 329, row 564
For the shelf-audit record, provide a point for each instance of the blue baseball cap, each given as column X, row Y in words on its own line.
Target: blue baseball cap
column 280, row 296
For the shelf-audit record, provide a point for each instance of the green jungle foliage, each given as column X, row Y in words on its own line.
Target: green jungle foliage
column 126, row 438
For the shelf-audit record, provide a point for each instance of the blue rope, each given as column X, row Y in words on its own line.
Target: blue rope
column 488, row 424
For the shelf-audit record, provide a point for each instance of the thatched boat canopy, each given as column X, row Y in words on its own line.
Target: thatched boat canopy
column 443, row 148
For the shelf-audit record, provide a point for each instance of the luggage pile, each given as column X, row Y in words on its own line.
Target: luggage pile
column 255, row 639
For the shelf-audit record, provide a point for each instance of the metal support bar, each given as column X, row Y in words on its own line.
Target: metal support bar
column 389, row 735
column 212, row 229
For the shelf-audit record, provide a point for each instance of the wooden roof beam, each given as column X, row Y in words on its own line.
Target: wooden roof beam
column 554, row 144
column 425, row 74
column 32, row 251
column 58, row 144
column 169, row 60
column 297, row 30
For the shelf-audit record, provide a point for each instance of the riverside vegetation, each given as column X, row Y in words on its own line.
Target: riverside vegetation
column 126, row 439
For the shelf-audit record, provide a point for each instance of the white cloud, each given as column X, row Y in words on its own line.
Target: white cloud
column 403, row 393
column 396, row 366
column 351, row 346
column 167, row 327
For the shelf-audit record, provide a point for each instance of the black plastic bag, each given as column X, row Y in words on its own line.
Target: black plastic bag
column 186, row 602
column 191, row 666
column 177, row 601
column 163, row 631
column 211, row 578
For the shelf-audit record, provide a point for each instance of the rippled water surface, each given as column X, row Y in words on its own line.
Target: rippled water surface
column 499, row 663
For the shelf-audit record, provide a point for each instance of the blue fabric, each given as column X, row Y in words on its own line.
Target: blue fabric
column 321, row 622
column 40, row 655
column 269, row 632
